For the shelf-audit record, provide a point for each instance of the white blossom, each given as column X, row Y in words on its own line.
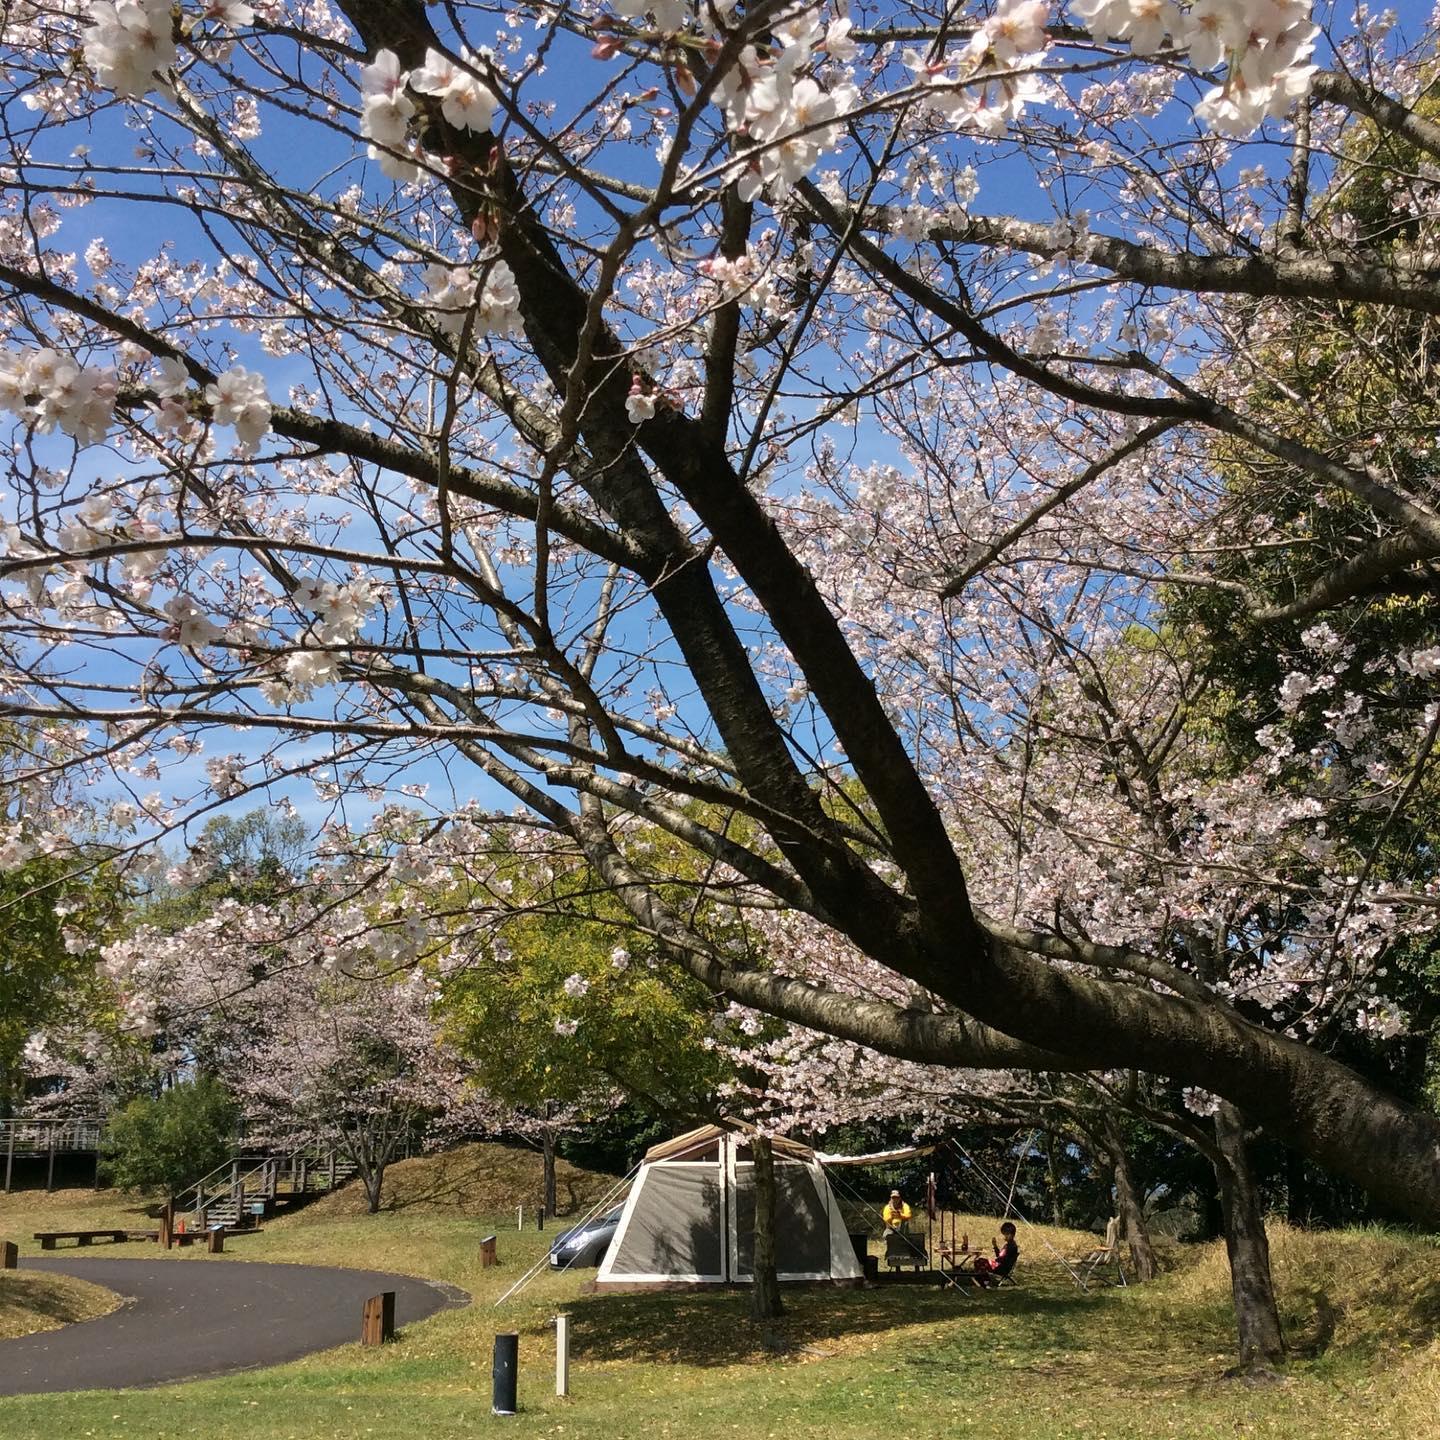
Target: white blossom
column 129, row 43
column 465, row 102
column 238, row 398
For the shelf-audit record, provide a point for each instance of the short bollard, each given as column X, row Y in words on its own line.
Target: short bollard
column 166, row 1236
column 9, row 1255
column 540, row 1218
column 215, row 1241
column 488, row 1255
column 505, row 1373
column 519, row 1217
column 562, row 1354
column 377, row 1325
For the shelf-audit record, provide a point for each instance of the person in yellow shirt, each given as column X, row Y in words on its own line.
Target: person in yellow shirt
column 896, row 1211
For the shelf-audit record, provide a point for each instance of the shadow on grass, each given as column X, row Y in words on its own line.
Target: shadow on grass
column 714, row 1328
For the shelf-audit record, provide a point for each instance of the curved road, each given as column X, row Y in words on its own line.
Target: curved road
column 184, row 1319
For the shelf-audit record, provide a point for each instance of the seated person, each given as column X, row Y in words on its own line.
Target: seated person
column 989, row 1273
column 896, row 1212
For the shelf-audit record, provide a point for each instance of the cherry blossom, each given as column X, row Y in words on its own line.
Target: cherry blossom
column 130, row 45
column 54, row 392
column 239, row 399
column 386, row 111
column 464, row 100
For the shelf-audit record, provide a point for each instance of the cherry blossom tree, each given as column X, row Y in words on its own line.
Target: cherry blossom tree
column 768, row 433
column 351, row 1067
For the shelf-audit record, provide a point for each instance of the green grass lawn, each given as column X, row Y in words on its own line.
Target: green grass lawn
column 1030, row 1363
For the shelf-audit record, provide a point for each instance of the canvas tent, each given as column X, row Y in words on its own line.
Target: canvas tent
column 690, row 1216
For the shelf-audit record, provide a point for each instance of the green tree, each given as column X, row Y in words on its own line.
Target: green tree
column 254, row 857
column 169, row 1141
column 52, row 920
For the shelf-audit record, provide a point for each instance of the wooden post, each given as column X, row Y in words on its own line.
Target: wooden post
column 215, row 1241
column 377, row 1323
column 167, row 1225
column 50, row 1173
column 540, row 1218
column 331, row 1184
column 9, row 1154
column 488, row 1257
column 9, row 1255
column 519, row 1217
column 562, row 1354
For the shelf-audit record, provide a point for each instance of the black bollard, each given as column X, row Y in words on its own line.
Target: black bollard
column 505, row 1373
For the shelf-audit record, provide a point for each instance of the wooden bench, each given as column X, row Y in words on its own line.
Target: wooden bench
column 47, row 1238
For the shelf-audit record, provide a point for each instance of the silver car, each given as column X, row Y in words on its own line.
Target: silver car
column 586, row 1244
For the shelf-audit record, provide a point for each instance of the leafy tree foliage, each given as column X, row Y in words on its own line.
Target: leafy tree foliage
column 171, row 1140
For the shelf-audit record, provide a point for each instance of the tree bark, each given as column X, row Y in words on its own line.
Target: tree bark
column 1127, row 1205
column 765, row 1292
column 1262, row 1345
column 547, row 1151
column 374, row 1178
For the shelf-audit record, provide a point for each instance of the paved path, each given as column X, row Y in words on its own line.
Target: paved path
column 188, row 1318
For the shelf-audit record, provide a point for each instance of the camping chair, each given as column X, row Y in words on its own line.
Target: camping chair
column 1106, row 1254
column 902, row 1248
column 997, row 1281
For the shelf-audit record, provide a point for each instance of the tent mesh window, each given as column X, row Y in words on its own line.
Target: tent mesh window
column 675, row 1228
column 802, row 1226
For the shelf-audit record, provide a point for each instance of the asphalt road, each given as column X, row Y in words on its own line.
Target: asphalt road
column 188, row 1318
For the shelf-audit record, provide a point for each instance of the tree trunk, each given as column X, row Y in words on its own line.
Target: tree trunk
column 765, row 1292
column 1052, row 1181
column 371, row 1167
column 1128, row 1207
column 547, row 1150
column 1297, row 1198
column 1257, row 1319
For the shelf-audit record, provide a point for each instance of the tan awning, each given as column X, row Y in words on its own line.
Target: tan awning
column 878, row 1157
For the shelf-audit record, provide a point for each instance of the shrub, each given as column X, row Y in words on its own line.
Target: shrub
column 170, row 1141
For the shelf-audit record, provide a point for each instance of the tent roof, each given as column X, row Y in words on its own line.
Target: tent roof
column 704, row 1135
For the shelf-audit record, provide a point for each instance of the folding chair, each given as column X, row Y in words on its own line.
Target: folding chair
column 1106, row 1254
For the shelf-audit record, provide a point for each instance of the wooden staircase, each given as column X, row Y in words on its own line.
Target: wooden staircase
column 240, row 1193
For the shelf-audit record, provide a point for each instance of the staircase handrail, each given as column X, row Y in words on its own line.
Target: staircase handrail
column 234, row 1187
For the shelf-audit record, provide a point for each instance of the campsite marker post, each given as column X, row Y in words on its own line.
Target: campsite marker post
column 504, row 1372
column 519, row 1217
column 377, row 1319
column 562, row 1354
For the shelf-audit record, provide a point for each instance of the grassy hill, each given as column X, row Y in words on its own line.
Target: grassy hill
column 31, row 1301
column 476, row 1179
